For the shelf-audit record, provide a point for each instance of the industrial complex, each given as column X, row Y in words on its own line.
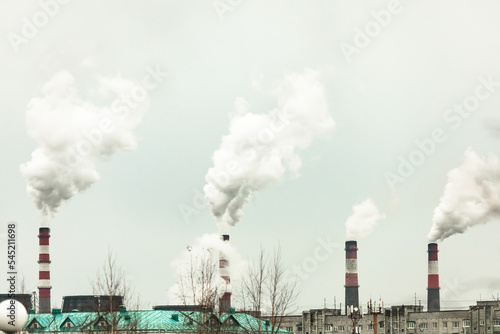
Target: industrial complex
column 107, row 313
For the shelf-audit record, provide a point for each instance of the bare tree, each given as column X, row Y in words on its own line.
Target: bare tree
column 110, row 317
column 268, row 292
column 198, row 288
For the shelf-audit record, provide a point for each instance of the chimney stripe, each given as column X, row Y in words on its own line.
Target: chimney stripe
column 44, row 275
column 433, row 268
column 351, row 266
column 433, row 281
column 43, row 249
column 351, row 280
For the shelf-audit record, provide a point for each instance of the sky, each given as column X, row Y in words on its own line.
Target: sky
column 392, row 96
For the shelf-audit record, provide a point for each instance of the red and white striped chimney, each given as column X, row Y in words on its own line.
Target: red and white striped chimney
column 433, row 303
column 44, row 271
column 351, row 275
column 225, row 300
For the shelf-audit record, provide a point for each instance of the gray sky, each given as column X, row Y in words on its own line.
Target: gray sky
column 387, row 92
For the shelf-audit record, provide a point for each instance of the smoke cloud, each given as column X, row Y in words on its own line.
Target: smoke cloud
column 471, row 197
column 363, row 220
column 74, row 129
column 261, row 148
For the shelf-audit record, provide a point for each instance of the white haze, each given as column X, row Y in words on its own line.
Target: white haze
column 363, row 220
column 261, row 148
column 73, row 133
column 471, row 197
column 205, row 251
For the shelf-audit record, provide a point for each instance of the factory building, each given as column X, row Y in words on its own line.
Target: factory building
column 321, row 321
column 146, row 321
column 482, row 318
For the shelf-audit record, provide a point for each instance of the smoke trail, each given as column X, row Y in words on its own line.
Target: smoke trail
column 197, row 270
column 260, row 148
column 73, row 133
column 363, row 220
column 471, row 197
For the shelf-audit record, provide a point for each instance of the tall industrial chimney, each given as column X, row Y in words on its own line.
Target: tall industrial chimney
column 433, row 303
column 44, row 271
column 225, row 300
column 351, row 275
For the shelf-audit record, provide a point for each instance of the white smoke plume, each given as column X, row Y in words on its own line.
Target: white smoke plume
column 73, row 133
column 261, row 148
column 471, row 197
column 363, row 220
column 196, row 266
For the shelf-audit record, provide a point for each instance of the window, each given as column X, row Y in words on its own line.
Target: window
column 496, row 322
column 340, row 328
column 328, row 328
column 423, row 325
column 466, row 323
column 68, row 324
column 455, row 324
column 395, row 325
column 370, row 326
column 314, row 327
column 411, row 324
column 434, row 325
column 35, row 325
column 360, row 328
column 299, row 328
column 481, row 322
column 445, row 324
column 289, row 329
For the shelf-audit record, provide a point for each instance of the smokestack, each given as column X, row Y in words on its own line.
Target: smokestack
column 225, row 300
column 44, row 271
column 351, row 275
column 433, row 304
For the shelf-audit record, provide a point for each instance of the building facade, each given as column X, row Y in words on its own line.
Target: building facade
column 482, row 318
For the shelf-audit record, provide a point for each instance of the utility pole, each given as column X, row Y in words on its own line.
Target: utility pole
column 354, row 314
column 375, row 311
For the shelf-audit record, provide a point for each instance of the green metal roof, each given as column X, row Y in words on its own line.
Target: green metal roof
column 146, row 320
